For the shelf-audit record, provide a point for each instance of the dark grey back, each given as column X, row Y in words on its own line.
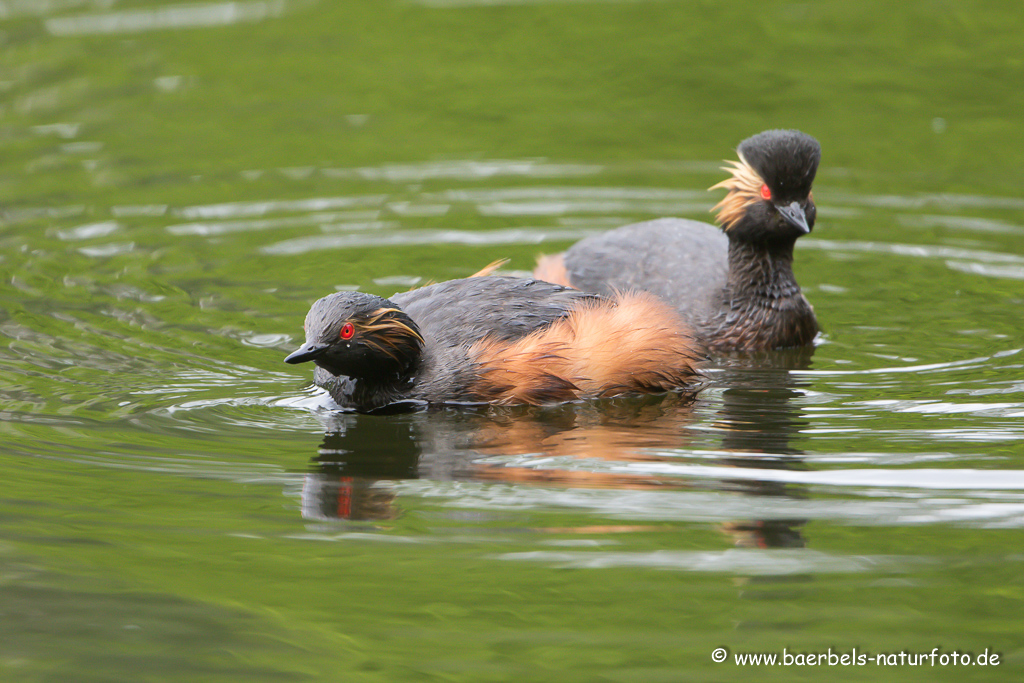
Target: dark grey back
column 684, row 262
column 453, row 315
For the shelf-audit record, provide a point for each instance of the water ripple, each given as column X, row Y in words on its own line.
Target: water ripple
column 304, row 245
column 871, row 506
column 1011, row 272
column 971, row 363
column 318, row 218
column 961, row 223
column 922, row 200
column 919, row 478
column 167, row 17
column 448, row 4
column 775, row 562
column 261, row 208
column 463, row 170
column 89, row 231
column 918, row 250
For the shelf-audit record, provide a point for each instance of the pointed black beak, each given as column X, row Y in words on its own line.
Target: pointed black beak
column 306, row 352
column 795, row 216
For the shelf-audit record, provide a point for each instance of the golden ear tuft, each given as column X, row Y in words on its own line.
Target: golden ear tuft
column 388, row 333
column 744, row 186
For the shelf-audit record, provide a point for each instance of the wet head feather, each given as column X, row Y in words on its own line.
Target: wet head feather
column 386, row 330
column 786, row 159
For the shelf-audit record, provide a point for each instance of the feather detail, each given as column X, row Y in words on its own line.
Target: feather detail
column 490, row 268
column 744, row 186
column 551, row 268
column 385, row 331
column 633, row 343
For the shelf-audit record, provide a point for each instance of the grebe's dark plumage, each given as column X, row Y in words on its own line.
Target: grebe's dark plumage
column 495, row 340
column 736, row 285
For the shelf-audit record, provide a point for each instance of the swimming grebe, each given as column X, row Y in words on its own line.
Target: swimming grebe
column 495, row 340
column 735, row 286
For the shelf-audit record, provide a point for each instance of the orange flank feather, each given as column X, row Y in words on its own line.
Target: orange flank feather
column 551, row 268
column 633, row 343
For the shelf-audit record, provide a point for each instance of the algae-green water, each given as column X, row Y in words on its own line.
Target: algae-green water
column 178, row 182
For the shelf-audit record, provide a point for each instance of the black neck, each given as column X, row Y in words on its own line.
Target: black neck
column 761, row 272
column 367, row 393
column 763, row 307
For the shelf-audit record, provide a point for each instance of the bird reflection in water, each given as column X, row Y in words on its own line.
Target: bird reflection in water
column 359, row 456
column 758, row 421
column 359, row 453
column 362, row 454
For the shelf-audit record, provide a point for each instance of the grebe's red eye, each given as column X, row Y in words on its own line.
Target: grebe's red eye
column 766, row 194
column 347, row 330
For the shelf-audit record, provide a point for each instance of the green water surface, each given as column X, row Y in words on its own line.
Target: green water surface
column 179, row 181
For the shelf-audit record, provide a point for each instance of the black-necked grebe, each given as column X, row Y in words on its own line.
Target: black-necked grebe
column 735, row 286
column 496, row 340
